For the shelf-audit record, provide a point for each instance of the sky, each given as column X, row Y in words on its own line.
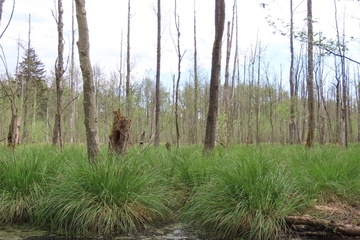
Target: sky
column 107, row 21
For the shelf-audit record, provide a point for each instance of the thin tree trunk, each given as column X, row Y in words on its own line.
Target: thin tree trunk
column 358, row 106
column 292, row 124
column 128, row 70
column 25, row 90
column 157, row 87
column 92, row 139
column 211, row 123
column 196, row 85
column 1, row 8
column 72, row 75
column 310, row 79
column 59, row 71
column 180, row 56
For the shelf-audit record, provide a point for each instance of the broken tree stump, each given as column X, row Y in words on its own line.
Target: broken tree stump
column 120, row 134
column 142, row 139
column 14, row 131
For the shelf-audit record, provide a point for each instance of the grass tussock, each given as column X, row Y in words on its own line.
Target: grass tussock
column 248, row 196
column 239, row 192
column 114, row 196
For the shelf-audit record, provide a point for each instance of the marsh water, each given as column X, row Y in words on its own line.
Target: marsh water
column 175, row 231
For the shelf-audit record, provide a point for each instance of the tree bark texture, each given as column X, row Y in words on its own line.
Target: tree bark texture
column 120, row 134
column 310, row 79
column 92, row 139
column 292, row 124
column 59, row 71
column 157, row 87
column 1, row 8
column 196, row 86
column 128, row 70
column 211, row 123
column 72, row 80
column 180, row 56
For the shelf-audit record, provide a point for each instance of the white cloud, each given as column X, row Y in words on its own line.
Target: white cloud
column 108, row 18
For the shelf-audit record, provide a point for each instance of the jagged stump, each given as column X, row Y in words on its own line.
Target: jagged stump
column 120, row 134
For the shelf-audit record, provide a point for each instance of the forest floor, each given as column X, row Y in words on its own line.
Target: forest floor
column 346, row 216
column 334, row 212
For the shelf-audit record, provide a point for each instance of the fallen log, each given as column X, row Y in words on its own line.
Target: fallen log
column 323, row 225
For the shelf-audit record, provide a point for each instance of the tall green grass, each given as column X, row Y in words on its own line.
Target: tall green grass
column 248, row 196
column 238, row 192
column 24, row 177
column 114, row 196
column 329, row 173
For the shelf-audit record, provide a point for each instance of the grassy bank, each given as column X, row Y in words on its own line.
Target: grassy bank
column 243, row 191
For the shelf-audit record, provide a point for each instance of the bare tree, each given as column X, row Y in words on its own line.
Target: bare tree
column 72, row 76
column 14, row 128
column 310, row 78
column 92, row 139
column 1, row 8
column 343, row 115
column 292, row 124
column 196, row 84
column 128, row 69
column 358, row 103
column 157, row 85
column 180, row 57
column 59, row 71
column 211, row 123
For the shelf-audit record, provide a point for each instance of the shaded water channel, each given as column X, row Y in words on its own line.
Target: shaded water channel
column 175, row 231
column 169, row 232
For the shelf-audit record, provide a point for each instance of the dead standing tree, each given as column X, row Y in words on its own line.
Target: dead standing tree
column 180, row 57
column 310, row 78
column 211, row 123
column 59, row 71
column 14, row 128
column 120, row 134
column 92, row 139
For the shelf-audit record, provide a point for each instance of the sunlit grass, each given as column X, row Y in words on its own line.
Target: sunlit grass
column 113, row 196
column 244, row 191
column 24, row 176
column 328, row 174
column 248, row 196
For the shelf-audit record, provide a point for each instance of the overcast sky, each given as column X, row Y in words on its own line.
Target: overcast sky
column 107, row 20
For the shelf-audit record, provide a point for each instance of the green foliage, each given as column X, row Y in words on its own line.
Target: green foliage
column 114, row 196
column 328, row 173
column 23, row 179
column 248, row 195
column 242, row 191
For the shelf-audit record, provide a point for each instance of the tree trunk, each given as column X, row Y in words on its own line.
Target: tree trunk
column 128, row 70
column 211, row 123
column 92, row 139
column 120, row 134
column 310, row 79
column 292, row 124
column 358, row 107
column 59, row 71
column 25, row 90
column 157, row 87
column 196, row 85
column 72, row 80
column 180, row 56
column 1, row 8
